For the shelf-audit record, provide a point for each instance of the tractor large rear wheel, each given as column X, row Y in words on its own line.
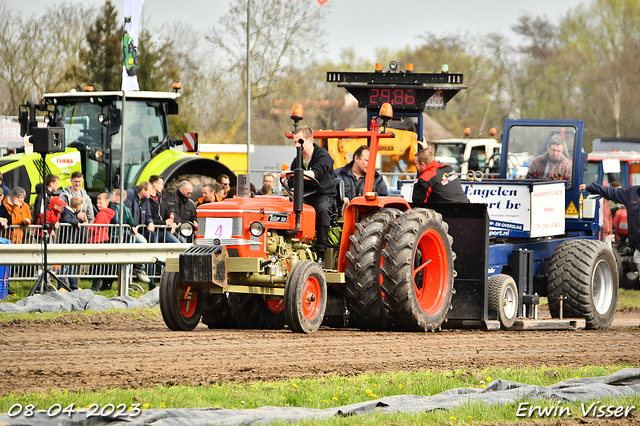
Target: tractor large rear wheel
column 255, row 311
column 585, row 274
column 417, row 270
column 305, row 297
column 364, row 280
column 216, row 312
column 180, row 304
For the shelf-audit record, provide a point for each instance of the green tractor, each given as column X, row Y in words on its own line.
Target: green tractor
column 92, row 123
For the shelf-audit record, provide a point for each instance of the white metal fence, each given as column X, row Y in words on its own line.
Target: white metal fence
column 67, row 243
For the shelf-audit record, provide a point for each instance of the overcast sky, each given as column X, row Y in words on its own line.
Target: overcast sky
column 362, row 24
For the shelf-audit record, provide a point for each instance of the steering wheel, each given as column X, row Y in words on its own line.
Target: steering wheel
column 286, row 187
column 493, row 164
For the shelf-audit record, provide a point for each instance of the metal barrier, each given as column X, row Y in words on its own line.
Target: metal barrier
column 94, row 251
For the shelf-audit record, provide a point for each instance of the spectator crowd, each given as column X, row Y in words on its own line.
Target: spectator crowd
column 150, row 213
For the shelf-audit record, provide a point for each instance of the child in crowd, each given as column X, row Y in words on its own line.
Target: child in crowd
column 54, row 210
column 100, row 234
column 116, row 205
column 72, row 215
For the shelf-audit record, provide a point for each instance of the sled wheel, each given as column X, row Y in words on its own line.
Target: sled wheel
column 305, row 297
column 363, row 276
column 180, row 304
column 274, row 305
column 585, row 273
column 503, row 298
column 253, row 311
column 216, row 312
column 417, row 269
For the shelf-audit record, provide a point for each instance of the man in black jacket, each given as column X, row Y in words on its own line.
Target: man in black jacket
column 318, row 164
column 436, row 183
column 179, row 203
column 159, row 212
column 630, row 198
column 354, row 174
column 51, row 183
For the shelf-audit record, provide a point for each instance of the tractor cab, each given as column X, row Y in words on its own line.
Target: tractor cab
column 92, row 124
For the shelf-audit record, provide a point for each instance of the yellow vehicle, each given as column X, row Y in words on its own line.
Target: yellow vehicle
column 393, row 152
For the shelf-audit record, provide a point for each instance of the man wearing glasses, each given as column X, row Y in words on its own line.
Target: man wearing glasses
column 225, row 182
column 318, row 164
column 179, row 203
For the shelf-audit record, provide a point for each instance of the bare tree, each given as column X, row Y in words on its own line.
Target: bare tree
column 284, row 35
column 36, row 52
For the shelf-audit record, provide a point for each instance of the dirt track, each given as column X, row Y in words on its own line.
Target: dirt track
column 109, row 350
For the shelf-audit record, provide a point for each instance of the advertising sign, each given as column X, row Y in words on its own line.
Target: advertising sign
column 547, row 209
column 509, row 207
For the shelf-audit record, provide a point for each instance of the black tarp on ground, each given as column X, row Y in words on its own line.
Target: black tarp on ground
column 78, row 300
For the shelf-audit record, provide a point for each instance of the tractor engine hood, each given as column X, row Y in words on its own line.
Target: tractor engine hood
column 232, row 218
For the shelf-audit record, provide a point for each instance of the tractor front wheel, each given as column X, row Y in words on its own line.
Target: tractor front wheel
column 180, row 304
column 305, row 297
column 417, row 270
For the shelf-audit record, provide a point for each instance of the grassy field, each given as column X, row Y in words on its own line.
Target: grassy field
column 327, row 392
column 336, row 391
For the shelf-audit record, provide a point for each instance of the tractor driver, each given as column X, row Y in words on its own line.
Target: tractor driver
column 553, row 164
column 318, row 164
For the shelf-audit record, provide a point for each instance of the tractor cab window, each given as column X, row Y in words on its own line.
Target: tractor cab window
column 478, row 158
column 592, row 173
column 451, row 154
column 541, row 152
column 144, row 130
column 80, row 121
column 84, row 132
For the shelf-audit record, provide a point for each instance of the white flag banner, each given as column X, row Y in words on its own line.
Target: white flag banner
column 132, row 15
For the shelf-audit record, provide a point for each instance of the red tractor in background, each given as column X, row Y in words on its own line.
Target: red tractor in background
column 253, row 263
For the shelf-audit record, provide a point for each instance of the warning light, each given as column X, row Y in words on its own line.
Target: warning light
column 409, row 68
column 378, row 67
column 88, row 88
column 493, row 131
column 467, row 131
column 285, row 166
column 297, row 112
column 99, row 154
column 176, row 87
column 386, row 112
column 370, row 196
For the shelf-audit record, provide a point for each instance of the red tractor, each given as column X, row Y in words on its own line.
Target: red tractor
column 253, row 263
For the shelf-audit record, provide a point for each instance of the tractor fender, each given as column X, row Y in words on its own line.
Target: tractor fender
column 174, row 165
column 356, row 207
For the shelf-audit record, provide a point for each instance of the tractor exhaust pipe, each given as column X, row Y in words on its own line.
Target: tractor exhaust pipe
column 298, row 185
